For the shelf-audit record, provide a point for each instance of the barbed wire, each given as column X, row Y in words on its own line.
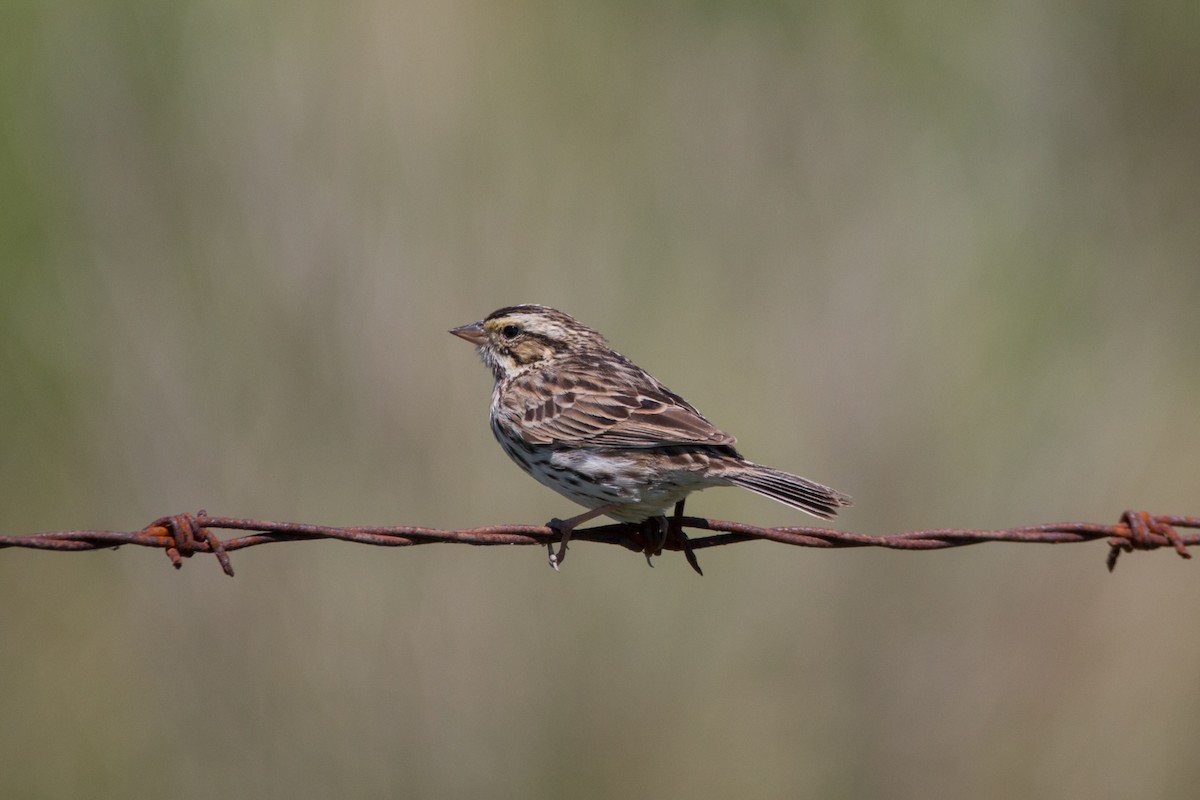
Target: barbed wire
column 184, row 535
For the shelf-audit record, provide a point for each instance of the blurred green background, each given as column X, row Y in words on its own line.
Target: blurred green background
column 941, row 256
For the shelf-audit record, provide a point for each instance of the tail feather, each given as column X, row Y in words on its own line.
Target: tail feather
column 791, row 490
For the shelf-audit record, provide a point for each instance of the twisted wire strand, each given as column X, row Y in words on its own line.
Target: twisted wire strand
column 184, row 535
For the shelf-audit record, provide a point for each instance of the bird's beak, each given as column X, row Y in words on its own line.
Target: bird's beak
column 473, row 333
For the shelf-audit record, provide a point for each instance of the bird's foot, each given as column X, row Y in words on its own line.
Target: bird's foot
column 564, row 527
column 563, row 530
column 655, row 531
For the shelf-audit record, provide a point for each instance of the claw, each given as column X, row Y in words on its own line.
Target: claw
column 654, row 534
column 676, row 522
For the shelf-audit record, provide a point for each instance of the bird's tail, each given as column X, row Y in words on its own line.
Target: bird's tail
column 791, row 490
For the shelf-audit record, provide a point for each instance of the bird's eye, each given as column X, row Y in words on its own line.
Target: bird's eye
column 509, row 331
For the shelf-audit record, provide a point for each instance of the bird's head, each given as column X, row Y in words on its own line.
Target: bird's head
column 516, row 339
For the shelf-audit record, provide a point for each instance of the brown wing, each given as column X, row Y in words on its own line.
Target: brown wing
column 603, row 405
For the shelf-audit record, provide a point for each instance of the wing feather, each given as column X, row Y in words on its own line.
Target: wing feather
column 629, row 408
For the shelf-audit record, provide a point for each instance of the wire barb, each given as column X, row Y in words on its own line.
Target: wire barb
column 183, row 535
column 1145, row 532
column 188, row 536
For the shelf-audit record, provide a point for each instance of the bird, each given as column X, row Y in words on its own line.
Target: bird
column 590, row 424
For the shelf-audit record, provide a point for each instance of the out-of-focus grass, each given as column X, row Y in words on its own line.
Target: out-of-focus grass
column 941, row 257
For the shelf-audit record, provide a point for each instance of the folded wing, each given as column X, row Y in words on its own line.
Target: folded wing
column 621, row 407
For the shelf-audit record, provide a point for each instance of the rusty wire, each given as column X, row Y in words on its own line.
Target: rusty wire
column 183, row 535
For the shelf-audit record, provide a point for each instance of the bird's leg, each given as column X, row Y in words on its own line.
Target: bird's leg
column 677, row 514
column 566, row 526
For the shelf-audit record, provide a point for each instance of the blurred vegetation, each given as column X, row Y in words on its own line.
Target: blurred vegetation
column 941, row 256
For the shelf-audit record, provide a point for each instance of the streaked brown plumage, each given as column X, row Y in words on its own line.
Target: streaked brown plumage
column 592, row 425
